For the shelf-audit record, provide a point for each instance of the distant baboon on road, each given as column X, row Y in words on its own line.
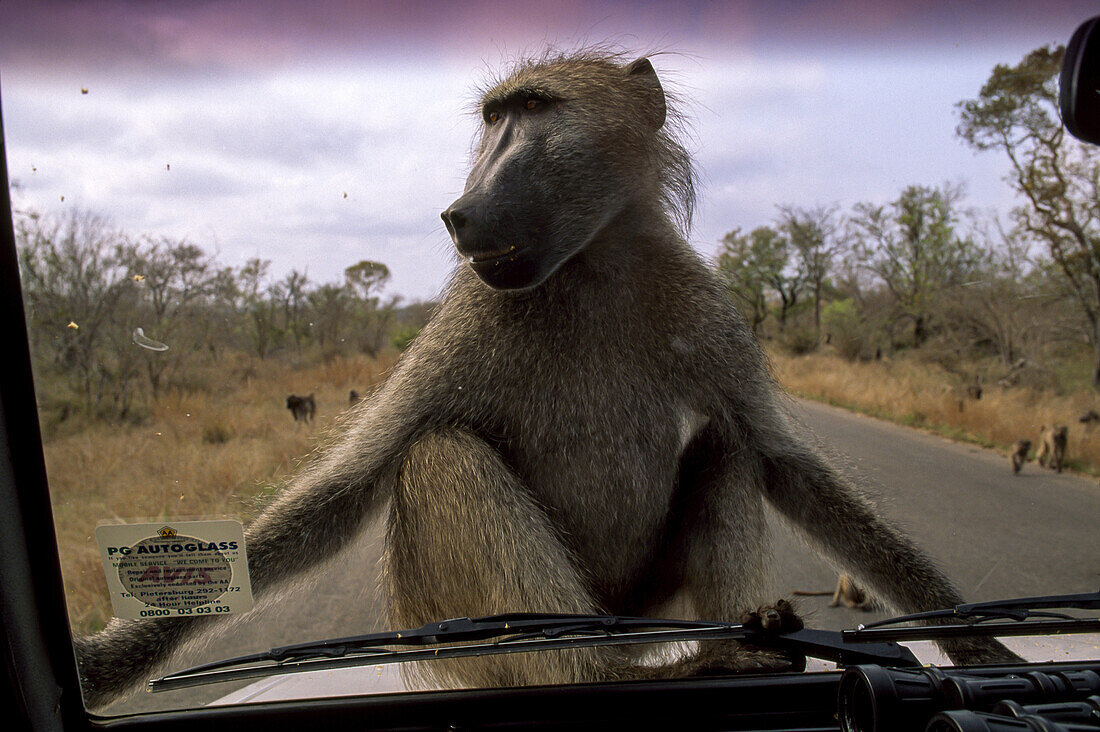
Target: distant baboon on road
column 302, row 407
column 847, row 593
column 1018, row 456
column 353, row 398
column 1052, row 446
column 586, row 424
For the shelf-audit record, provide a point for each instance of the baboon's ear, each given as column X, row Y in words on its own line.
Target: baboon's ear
column 653, row 103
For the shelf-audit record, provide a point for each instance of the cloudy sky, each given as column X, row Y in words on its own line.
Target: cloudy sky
column 317, row 134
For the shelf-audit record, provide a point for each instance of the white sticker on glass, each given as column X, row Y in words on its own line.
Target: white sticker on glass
column 175, row 569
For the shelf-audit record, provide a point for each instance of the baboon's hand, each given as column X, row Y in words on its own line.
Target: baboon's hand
column 777, row 618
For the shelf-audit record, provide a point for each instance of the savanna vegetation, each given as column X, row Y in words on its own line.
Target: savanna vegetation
column 911, row 308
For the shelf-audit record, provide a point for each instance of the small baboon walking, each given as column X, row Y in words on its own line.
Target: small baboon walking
column 1052, row 446
column 303, row 408
column 847, row 593
column 586, row 424
column 1018, row 456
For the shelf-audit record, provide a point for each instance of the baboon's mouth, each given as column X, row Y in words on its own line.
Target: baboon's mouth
column 494, row 254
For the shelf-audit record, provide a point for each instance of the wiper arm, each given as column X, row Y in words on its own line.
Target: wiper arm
column 976, row 617
column 519, row 632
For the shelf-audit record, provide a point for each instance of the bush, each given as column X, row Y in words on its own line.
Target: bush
column 798, row 339
column 405, row 336
column 848, row 330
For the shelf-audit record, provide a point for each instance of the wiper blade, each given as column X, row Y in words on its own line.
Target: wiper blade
column 518, row 632
column 1025, row 613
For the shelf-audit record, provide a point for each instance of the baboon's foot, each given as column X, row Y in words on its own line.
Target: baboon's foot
column 723, row 658
column 716, row 658
column 971, row 651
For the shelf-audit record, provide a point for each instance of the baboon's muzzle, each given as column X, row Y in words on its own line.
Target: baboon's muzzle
column 498, row 260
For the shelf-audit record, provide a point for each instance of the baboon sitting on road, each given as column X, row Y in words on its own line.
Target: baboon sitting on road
column 1018, row 456
column 586, row 424
column 302, row 407
column 353, row 398
column 1052, row 446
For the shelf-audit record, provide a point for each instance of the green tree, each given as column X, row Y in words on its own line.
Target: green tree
column 1016, row 112
column 257, row 302
column 174, row 278
column 913, row 247
column 364, row 280
column 742, row 261
column 292, row 300
column 80, row 299
column 755, row 264
column 812, row 233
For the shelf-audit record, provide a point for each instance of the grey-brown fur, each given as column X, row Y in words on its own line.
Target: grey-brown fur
column 1018, row 456
column 599, row 436
column 1052, row 446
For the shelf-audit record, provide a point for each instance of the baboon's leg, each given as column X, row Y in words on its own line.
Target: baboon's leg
column 838, row 592
column 1042, row 452
column 465, row 539
column 725, row 572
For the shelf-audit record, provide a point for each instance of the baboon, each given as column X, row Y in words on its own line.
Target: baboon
column 302, row 407
column 847, row 593
column 353, row 398
column 1052, row 446
column 1018, row 456
column 972, row 391
column 1090, row 419
column 974, row 388
column 585, row 425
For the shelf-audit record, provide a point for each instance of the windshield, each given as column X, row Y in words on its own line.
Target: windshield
column 254, row 338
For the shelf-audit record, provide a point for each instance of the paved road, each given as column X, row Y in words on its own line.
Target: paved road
column 996, row 535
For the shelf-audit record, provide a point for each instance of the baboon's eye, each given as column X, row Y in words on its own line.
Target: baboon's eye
column 533, row 103
column 492, row 117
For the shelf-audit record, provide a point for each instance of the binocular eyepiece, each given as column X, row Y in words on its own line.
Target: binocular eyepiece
column 877, row 699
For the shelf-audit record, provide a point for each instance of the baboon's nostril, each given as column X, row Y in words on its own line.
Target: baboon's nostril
column 455, row 219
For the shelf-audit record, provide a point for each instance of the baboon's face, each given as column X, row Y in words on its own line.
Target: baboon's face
column 563, row 148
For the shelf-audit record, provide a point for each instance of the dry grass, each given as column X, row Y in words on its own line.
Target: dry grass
column 921, row 396
column 201, row 455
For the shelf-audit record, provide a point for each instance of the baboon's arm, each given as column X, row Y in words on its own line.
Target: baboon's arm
column 316, row 516
column 809, row 493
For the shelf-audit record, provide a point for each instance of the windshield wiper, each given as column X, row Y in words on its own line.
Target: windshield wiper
column 525, row 632
column 1027, row 616
column 519, row 632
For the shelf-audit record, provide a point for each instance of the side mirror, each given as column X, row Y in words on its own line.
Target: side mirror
column 1079, row 84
